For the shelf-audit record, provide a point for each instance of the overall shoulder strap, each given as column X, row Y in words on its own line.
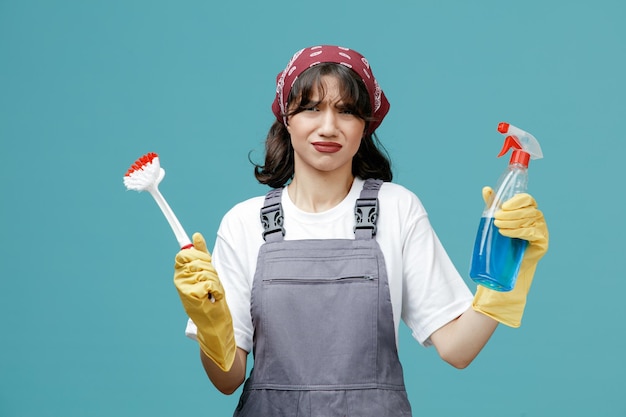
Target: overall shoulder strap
column 366, row 210
column 272, row 216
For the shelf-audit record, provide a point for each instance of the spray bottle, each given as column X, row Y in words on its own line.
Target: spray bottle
column 496, row 259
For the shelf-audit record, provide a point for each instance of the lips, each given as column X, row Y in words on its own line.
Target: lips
column 327, row 147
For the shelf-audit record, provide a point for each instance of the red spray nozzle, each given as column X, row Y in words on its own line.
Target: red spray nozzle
column 525, row 146
column 503, row 127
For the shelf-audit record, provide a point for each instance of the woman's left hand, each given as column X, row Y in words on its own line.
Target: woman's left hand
column 518, row 218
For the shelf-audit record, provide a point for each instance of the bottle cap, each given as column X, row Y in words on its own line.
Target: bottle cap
column 520, row 157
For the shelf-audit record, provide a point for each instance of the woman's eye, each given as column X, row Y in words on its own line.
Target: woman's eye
column 347, row 110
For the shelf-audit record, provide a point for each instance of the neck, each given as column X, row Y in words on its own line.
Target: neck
column 319, row 193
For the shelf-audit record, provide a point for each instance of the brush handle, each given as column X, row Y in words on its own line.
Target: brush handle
column 183, row 240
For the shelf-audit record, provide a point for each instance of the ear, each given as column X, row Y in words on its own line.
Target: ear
column 286, row 123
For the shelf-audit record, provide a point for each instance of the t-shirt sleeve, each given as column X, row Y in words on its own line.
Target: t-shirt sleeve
column 434, row 293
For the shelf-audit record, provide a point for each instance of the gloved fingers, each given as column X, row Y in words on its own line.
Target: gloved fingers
column 520, row 218
column 519, row 201
column 200, row 265
column 195, row 290
column 517, row 219
column 536, row 234
column 520, row 213
column 186, row 256
column 487, row 194
column 195, row 271
column 525, row 233
column 514, row 223
column 199, row 285
column 207, row 286
column 199, row 242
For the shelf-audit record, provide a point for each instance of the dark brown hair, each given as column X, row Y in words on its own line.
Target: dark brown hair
column 370, row 161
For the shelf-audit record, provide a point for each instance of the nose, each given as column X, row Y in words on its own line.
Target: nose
column 328, row 123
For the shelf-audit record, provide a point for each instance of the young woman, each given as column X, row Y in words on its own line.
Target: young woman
column 315, row 276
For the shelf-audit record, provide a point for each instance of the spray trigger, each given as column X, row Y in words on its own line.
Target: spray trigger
column 509, row 142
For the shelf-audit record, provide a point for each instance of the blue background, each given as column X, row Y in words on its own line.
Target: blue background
column 90, row 322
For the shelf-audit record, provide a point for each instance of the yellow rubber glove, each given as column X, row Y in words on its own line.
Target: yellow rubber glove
column 518, row 218
column 196, row 281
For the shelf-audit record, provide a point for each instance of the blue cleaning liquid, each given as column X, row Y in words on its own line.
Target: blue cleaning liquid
column 496, row 259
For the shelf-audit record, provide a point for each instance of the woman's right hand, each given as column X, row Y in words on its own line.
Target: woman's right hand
column 202, row 296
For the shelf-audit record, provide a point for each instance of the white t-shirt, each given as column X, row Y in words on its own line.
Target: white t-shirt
column 426, row 290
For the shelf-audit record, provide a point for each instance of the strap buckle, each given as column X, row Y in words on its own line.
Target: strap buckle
column 272, row 219
column 366, row 214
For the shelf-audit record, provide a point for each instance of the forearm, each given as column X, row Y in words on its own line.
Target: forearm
column 462, row 339
column 226, row 382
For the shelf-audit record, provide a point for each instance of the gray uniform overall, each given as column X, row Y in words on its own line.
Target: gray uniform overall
column 324, row 338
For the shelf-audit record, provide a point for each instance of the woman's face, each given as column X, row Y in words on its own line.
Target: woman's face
column 325, row 136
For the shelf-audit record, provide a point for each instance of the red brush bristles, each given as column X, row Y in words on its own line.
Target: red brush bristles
column 141, row 162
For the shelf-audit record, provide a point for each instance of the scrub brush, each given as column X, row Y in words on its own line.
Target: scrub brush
column 145, row 175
